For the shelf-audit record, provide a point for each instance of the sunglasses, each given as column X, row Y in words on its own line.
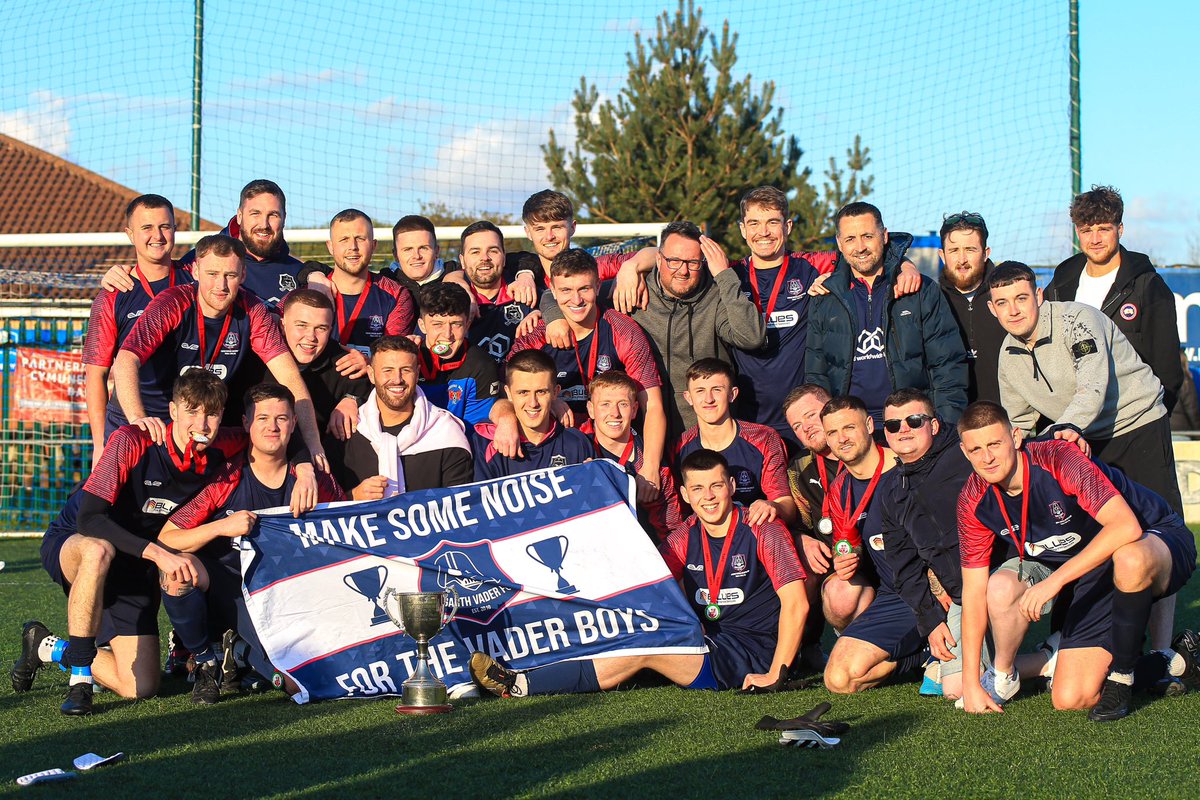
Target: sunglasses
column 914, row 421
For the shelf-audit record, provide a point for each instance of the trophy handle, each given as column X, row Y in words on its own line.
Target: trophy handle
column 529, row 551
column 387, row 608
column 448, row 618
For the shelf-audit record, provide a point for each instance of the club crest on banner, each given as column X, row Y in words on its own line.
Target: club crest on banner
column 470, row 571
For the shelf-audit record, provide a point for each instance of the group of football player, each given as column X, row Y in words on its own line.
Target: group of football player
column 817, row 439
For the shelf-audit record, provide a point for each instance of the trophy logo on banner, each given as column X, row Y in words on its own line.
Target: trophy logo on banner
column 551, row 553
column 369, row 583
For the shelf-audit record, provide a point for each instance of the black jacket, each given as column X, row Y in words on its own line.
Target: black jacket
column 920, row 527
column 923, row 347
column 1141, row 306
column 982, row 337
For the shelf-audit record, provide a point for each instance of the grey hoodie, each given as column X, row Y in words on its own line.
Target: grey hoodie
column 684, row 330
column 1081, row 371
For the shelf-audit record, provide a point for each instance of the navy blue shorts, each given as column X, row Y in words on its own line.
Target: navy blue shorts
column 889, row 624
column 733, row 656
column 131, row 593
column 1182, row 544
column 1087, row 620
column 224, row 590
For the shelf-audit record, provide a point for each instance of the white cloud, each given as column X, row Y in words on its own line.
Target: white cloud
column 631, row 25
column 493, row 166
column 44, row 123
column 390, row 109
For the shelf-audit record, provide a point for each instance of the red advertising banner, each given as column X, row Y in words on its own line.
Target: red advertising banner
column 48, row 386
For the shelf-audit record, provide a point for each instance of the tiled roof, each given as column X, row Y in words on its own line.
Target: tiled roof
column 42, row 193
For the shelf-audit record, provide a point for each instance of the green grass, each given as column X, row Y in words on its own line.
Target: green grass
column 662, row 742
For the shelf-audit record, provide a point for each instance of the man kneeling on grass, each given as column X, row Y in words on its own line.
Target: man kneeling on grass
column 745, row 581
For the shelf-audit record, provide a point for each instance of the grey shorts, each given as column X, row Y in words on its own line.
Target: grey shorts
column 954, row 623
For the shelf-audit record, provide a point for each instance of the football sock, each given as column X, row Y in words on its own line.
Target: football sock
column 81, row 675
column 1156, row 665
column 80, row 652
column 189, row 615
column 569, row 677
column 1130, row 613
column 1176, row 666
column 51, row 648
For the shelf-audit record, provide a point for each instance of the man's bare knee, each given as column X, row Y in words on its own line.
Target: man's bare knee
column 1133, row 566
column 1004, row 589
column 837, row 679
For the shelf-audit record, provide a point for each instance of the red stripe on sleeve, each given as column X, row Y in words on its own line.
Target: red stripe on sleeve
column 201, row 508
column 608, row 265
column 100, row 343
column 402, row 319
column 534, row 340
column 777, row 552
column 974, row 538
column 1077, row 474
column 774, row 479
column 266, row 337
column 124, row 450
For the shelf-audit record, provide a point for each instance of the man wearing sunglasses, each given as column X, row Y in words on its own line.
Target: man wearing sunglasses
column 865, row 342
column 965, row 267
column 920, row 529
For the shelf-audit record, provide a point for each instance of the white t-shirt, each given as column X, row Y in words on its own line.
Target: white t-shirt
column 1092, row 291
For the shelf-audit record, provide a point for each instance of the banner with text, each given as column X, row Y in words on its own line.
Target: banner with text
column 547, row 566
column 48, row 386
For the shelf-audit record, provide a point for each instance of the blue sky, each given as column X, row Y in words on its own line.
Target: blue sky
column 382, row 106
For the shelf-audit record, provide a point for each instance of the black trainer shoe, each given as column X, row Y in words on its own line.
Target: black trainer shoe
column 1187, row 644
column 1114, row 702
column 26, row 667
column 177, row 656
column 79, row 700
column 1169, row 686
column 207, row 689
column 488, row 673
column 231, row 671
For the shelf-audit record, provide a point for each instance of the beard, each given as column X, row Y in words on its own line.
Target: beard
column 967, row 282
column 265, row 252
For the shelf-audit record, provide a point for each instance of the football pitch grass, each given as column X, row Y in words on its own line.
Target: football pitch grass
column 660, row 742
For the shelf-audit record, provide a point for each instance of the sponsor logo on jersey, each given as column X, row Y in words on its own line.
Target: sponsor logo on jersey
column 1059, row 543
column 159, row 505
column 870, row 345
column 220, row 370
column 782, row 319
column 152, row 483
column 189, row 346
column 558, row 461
column 1129, row 312
column 496, row 346
column 728, row 597
column 135, row 314
column 578, row 393
column 696, row 567
column 603, row 363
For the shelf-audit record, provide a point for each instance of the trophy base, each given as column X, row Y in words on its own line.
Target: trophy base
column 423, row 710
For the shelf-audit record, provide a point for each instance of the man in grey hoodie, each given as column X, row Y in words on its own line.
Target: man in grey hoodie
column 695, row 309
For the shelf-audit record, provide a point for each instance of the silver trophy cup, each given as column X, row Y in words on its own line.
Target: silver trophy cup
column 422, row 615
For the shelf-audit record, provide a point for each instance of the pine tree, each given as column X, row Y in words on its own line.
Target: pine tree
column 684, row 140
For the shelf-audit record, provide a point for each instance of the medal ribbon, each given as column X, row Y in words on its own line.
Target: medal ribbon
column 866, row 498
column 346, row 326
column 714, row 580
column 146, row 283
column 770, row 309
column 430, row 371
column 625, row 454
column 220, row 339
column 823, row 476
column 1024, row 509
column 189, row 458
column 590, row 372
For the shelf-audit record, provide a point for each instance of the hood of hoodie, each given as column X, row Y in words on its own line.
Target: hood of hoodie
column 946, row 438
column 1132, row 266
